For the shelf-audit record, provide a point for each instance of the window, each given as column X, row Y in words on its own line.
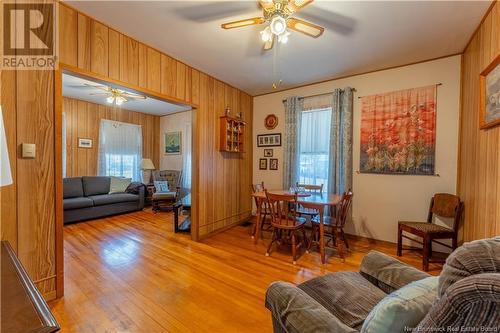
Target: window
column 120, row 150
column 314, row 143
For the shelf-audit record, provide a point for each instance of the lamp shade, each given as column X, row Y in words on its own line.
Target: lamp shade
column 5, row 174
column 147, row 164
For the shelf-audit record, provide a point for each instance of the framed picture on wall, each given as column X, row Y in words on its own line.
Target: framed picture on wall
column 263, row 164
column 268, row 153
column 84, row 143
column 173, row 143
column 269, row 140
column 273, row 164
column 489, row 81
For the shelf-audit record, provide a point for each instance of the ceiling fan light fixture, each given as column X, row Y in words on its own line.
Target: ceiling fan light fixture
column 110, row 99
column 278, row 25
column 120, row 100
column 266, row 35
column 283, row 38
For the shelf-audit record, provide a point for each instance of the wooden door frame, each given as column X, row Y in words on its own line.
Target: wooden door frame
column 58, row 101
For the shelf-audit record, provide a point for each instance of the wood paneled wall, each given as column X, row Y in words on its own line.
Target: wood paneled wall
column 83, row 120
column 479, row 161
column 29, row 206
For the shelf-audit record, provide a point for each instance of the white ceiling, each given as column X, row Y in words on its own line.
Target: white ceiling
column 74, row 87
column 360, row 36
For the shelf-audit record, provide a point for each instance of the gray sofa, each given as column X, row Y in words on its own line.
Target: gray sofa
column 87, row 198
column 468, row 294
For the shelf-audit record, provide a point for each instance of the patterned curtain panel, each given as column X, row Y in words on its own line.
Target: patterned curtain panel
column 398, row 132
column 340, row 164
column 293, row 109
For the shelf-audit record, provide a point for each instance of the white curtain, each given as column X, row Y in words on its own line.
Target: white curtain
column 314, row 146
column 187, row 153
column 120, row 149
column 63, row 143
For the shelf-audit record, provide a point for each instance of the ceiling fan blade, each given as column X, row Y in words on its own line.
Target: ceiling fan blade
column 267, row 4
column 269, row 45
column 201, row 11
column 305, row 27
column 243, row 23
column 100, row 94
column 296, row 5
column 105, row 88
column 133, row 96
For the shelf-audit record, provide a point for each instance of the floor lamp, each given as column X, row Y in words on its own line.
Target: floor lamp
column 146, row 167
column 5, row 174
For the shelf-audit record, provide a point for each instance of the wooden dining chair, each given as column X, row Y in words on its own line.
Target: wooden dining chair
column 443, row 205
column 264, row 212
column 310, row 189
column 285, row 221
column 335, row 223
column 316, row 189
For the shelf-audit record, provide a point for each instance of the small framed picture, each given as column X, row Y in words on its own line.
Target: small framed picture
column 489, row 109
column 173, row 143
column 273, row 164
column 263, row 164
column 268, row 153
column 84, row 143
column 269, row 140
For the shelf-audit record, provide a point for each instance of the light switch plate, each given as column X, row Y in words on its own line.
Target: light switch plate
column 29, row 150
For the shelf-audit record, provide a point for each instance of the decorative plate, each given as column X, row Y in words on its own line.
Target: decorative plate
column 271, row 121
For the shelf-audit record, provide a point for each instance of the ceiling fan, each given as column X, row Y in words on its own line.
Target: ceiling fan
column 277, row 14
column 115, row 96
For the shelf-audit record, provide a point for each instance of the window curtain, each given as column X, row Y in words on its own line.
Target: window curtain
column 315, row 146
column 293, row 109
column 186, row 156
column 120, row 149
column 63, row 144
column 340, row 164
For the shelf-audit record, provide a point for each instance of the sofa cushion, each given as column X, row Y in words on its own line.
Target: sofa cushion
column 403, row 309
column 347, row 295
column 72, row 187
column 75, row 203
column 96, row 185
column 119, row 184
column 108, row 199
column 480, row 256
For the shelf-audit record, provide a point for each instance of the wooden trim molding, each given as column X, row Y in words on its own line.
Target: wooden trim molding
column 59, row 232
column 86, row 74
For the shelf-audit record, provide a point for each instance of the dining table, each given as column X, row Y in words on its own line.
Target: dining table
column 315, row 199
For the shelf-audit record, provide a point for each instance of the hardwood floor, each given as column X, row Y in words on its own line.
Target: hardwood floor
column 131, row 273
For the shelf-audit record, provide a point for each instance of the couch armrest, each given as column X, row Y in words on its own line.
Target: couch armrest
column 139, row 189
column 294, row 311
column 388, row 273
column 471, row 302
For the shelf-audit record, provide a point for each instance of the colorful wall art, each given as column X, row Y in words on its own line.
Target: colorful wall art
column 398, row 132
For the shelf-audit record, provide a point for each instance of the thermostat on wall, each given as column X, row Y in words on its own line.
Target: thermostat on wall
column 29, row 150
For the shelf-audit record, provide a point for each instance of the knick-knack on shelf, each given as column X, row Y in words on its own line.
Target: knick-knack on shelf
column 228, row 111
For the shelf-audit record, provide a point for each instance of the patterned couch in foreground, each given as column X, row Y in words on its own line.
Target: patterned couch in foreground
column 465, row 298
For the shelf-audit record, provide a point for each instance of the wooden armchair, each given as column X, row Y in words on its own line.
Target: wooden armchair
column 314, row 190
column 335, row 224
column 285, row 221
column 265, row 210
column 442, row 205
